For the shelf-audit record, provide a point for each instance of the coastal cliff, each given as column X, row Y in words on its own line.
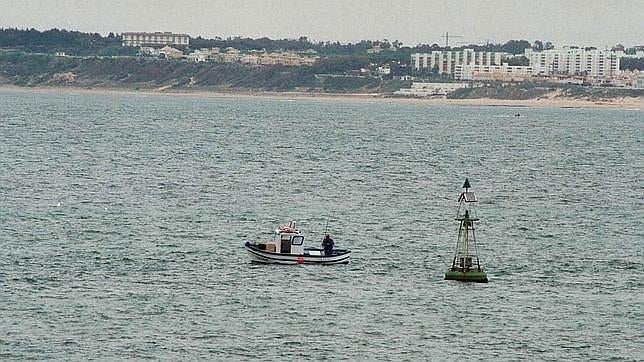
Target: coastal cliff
column 154, row 74
column 41, row 70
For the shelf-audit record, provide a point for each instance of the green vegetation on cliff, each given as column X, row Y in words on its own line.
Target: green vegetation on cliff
column 138, row 73
column 70, row 42
column 35, row 70
column 100, row 61
column 499, row 92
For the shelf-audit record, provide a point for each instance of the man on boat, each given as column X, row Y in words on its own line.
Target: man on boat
column 327, row 244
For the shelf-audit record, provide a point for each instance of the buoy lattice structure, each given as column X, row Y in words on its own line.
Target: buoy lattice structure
column 466, row 265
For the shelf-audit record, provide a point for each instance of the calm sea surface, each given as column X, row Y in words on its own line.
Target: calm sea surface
column 123, row 217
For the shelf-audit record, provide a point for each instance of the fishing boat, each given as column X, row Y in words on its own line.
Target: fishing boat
column 466, row 265
column 287, row 247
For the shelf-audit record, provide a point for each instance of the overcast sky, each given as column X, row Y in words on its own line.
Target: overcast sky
column 564, row 22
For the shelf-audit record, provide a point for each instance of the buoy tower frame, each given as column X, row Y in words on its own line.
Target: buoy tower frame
column 463, row 268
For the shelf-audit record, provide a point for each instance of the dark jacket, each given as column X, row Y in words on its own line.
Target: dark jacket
column 327, row 243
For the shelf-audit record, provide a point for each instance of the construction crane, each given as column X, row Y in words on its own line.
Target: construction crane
column 447, row 36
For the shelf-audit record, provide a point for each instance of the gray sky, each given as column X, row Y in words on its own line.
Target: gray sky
column 564, row 22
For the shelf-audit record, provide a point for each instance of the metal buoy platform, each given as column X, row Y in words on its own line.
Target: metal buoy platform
column 466, row 265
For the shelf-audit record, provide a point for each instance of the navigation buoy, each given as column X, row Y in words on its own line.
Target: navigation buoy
column 466, row 265
column 300, row 260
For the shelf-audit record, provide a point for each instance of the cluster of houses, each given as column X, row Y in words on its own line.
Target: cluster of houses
column 230, row 55
column 164, row 45
column 568, row 65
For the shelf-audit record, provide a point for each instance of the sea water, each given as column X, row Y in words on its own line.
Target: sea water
column 123, row 218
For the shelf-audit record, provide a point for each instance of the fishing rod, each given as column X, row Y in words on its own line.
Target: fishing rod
column 326, row 227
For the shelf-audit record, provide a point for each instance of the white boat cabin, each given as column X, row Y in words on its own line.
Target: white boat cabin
column 287, row 240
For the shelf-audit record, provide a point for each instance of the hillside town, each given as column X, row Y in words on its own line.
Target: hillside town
column 459, row 68
column 167, row 60
column 162, row 45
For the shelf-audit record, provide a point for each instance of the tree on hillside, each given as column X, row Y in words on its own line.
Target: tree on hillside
column 515, row 46
column 71, row 42
column 515, row 61
column 631, row 63
column 339, row 65
column 537, row 46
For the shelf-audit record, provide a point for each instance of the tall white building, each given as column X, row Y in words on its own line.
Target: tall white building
column 502, row 72
column 574, row 61
column 447, row 60
column 158, row 38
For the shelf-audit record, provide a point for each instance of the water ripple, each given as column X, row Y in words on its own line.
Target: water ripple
column 123, row 220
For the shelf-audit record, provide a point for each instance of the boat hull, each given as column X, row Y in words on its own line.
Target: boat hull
column 266, row 257
column 468, row 276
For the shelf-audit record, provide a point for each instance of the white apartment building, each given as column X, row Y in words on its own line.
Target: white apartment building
column 203, row 55
column 503, row 72
column 158, row 38
column 384, row 70
column 447, row 60
column 574, row 61
column 198, row 56
column 420, row 89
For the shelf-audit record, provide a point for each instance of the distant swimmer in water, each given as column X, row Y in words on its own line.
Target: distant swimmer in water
column 518, row 115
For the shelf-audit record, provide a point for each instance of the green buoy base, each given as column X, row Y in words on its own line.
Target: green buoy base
column 467, row 276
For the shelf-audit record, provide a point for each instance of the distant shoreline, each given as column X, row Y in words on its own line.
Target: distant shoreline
column 617, row 103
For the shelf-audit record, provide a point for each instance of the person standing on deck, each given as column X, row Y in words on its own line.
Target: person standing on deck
column 327, row 245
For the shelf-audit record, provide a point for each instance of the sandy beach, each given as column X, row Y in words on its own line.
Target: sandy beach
column 546, row 102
